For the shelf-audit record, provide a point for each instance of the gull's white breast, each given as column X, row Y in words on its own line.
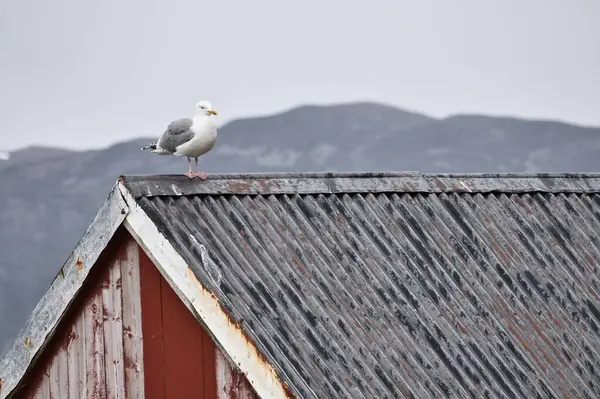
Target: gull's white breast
column 204, row 140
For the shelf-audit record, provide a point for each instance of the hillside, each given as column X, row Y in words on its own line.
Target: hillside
column 48, row 196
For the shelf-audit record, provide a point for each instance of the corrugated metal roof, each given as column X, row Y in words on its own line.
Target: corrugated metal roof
column 490, row 290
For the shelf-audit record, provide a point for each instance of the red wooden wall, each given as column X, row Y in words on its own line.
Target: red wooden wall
column 127, row 335
column 179, row 356
column 180, row 359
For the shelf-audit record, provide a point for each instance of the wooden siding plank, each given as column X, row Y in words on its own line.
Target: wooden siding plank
column 223, row 379
column 154, row 378
column 113, row 327
column 59, row 373
column 132, row 323
column 42, row 388
column 230, row 383
column 76, row 352
column 182, row 342
column 94, row 338
column 209, row 365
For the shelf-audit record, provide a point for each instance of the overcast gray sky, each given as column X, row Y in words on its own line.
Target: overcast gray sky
column 84, row 74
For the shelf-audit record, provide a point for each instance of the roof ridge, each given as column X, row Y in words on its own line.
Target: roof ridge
column 365, row 174
column 360, row 182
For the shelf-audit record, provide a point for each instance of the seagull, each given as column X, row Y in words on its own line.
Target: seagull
column 189, row 137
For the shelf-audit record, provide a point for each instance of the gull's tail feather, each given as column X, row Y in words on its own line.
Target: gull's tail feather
column 150, row 146
column 155, row 149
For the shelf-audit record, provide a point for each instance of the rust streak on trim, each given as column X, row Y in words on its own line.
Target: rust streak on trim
column 79, row 264
column 264, row 363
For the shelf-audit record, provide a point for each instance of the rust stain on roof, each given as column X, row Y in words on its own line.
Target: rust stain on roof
column 237, row 187
column 300, row 265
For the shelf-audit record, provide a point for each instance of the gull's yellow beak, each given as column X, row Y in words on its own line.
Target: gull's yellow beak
column 212, row 111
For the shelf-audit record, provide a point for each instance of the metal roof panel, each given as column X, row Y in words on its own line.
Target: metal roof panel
column 488, row 292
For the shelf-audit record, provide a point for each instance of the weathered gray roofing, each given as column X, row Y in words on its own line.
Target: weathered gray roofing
column 389, row 285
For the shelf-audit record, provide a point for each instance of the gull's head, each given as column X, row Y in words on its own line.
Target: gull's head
column 204, row 108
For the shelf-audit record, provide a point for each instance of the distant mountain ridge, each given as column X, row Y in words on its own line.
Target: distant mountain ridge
column 48, row 196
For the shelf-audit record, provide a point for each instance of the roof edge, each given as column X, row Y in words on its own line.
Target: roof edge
column 364, row 182
column 52, row 307
column 203, row 304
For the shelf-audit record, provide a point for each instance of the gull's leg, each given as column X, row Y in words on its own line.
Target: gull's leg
column 189, row 172
column 201, row 175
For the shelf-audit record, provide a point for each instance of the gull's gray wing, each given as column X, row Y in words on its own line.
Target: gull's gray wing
column 177, row 133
